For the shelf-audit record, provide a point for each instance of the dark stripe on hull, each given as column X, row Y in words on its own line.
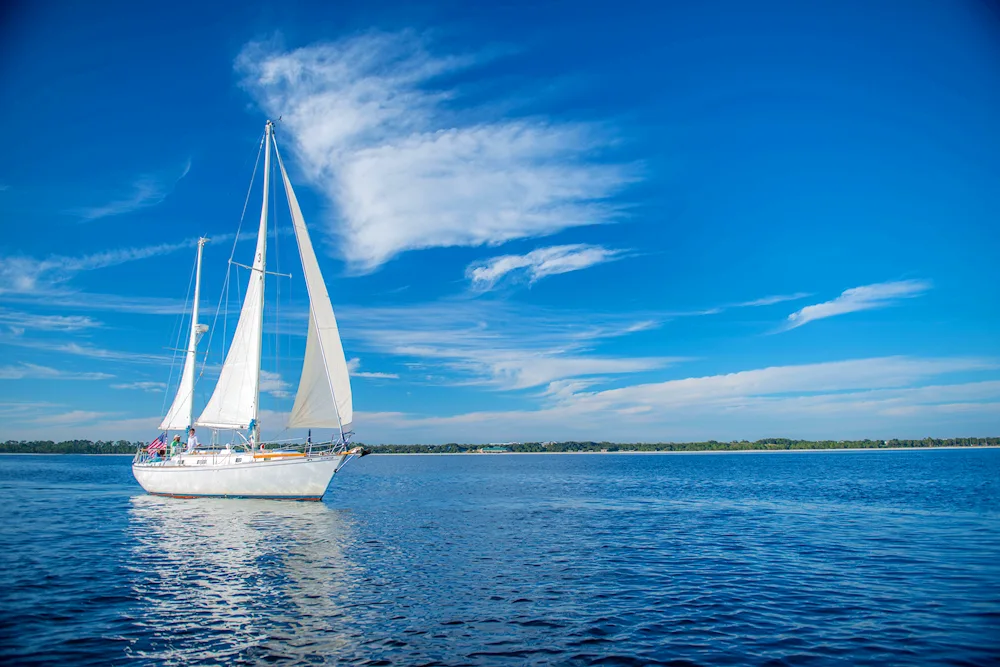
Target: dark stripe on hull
column 314, row 499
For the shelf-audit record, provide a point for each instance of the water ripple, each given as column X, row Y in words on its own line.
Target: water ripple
column 853, row 558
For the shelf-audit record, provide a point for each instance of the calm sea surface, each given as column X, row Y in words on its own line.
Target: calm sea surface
column 802, row 558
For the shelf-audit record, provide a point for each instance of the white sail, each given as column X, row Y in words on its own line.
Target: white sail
column 324, row 395
column 180, row 414
column 235, row 400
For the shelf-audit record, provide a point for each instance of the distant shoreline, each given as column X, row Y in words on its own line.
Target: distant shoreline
column 625, row 452
column 697, row 451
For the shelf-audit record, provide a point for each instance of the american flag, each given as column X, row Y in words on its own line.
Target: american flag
column 159, row 443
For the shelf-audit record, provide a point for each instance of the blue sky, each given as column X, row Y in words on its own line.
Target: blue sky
column 621, row 221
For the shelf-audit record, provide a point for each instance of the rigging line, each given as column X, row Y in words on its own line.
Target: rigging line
column 177, row 341
column 239, row 228
column 239, row 294
column 225, row 298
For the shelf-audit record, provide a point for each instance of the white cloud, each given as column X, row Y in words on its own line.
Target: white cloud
column 475, row 342
column 538, row 263
column 25, row 371
column 86, row 351
column 731, row 389
column 74, row 417
column 771, row 300
column 882, row 397
column 376, row 132
column 146, row 191
column 82, row 424
column 66, row 299
column 25, row 275
column 354, row 364
column 844, row 399
column 272, row 383
column 154, row 387
column 518, row 369
column 866, row 297
column 19, row 321
column 17, row 409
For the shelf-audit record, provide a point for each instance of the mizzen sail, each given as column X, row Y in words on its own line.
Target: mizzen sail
column 181, row 410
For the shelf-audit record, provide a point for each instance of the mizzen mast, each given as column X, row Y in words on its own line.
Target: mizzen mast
column 181, row 413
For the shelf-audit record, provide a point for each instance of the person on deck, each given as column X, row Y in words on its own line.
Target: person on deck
column 192, row 441
column 175, row 446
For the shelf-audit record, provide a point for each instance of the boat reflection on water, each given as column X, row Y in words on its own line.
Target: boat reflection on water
column 238, row 580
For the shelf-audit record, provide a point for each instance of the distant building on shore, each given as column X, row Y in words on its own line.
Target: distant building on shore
column 494, row 449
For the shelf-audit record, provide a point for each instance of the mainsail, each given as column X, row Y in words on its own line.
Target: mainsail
column 235, row 400
column 181, row 410
column 324, row 394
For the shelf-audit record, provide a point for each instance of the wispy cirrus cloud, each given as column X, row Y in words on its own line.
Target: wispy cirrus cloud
column 74, row 417
column 874, row 397
column 19, row 322
column 26, row 275
column 25, row 371
column 866, row 297
column 88, row 351
column 145, row 191
column 152, row 387
column 353, row 365
column 538, row 264
column 377, row 130
column 730, row 390
column 69, row 299
column 74, row 424
column 771, row 300
column 474, row 344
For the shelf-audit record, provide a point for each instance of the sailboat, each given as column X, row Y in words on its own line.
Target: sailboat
column 247, row 468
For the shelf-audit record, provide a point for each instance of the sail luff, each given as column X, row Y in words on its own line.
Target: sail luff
column 234, row 403
column 181, row 413
column 324, row 395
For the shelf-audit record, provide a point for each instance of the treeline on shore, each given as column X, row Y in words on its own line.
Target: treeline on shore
column 709, row 446
column 129, row 447
column 69, row 447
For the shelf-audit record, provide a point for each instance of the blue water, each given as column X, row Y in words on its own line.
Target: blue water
column 796, row 558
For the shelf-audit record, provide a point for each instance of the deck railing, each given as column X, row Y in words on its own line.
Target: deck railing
column 267, row 451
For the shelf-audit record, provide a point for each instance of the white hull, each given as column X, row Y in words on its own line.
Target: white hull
column 239, row 476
